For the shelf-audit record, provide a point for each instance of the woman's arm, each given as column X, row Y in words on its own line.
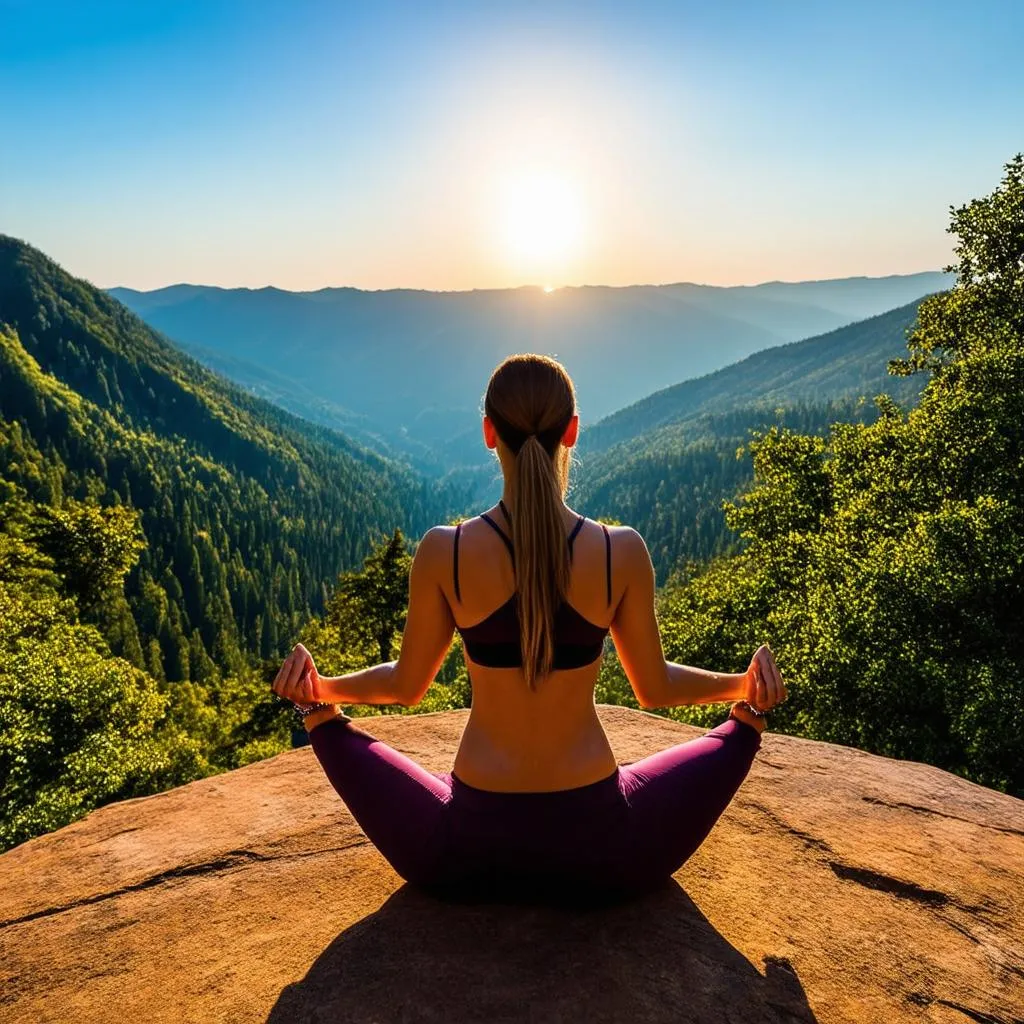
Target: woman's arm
column 429, row 627
column 656, row 682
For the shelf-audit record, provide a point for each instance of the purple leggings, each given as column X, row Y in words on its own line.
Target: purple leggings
column 625, row 833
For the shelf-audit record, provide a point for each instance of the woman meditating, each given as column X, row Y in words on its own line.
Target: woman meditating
column 535, row 796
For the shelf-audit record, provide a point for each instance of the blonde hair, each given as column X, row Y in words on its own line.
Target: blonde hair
column 530, row 399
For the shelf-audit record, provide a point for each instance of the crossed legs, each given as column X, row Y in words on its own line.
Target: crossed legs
column 673, row 798
column 677, row 795
column 397, row 803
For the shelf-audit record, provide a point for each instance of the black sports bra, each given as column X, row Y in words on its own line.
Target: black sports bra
column 494, row 641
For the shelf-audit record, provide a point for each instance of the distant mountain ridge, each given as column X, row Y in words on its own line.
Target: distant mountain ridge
column 665, row 463
column 849, row 361
column 413, row 365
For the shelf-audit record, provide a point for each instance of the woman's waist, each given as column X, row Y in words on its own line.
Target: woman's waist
column 500, row 760
column 505, row 803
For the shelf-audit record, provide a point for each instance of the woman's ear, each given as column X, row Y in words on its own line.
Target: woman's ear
column 490, row 434
column 572, row 431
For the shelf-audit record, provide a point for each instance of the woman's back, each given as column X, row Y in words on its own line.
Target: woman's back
column 550, row 737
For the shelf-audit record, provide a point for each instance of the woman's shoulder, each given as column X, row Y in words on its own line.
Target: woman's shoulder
column 435, row 540
column 622, row 535
column 440, row 538
column 628, row 550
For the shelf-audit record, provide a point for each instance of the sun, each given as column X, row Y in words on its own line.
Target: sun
column 541, row 222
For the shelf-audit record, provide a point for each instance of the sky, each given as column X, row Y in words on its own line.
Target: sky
column 453, row 146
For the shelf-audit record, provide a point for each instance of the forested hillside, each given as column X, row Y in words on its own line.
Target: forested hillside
column 163, row 517
column 665, row 464
column 671, row 485
column 247, row 511
column 845, row 363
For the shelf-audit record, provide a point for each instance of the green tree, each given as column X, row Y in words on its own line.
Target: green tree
column 369, row 606
column 91, row 547
column 78, row 727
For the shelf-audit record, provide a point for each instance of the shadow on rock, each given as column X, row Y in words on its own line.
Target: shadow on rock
column 652, row 958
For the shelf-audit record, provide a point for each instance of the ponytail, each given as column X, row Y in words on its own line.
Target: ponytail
column 530, row 400
column 542, row 559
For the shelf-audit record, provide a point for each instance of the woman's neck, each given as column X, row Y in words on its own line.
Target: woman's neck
column 567, row 512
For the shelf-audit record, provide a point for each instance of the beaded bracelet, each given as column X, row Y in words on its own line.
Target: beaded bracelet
column 750, row 707
column 305, row 710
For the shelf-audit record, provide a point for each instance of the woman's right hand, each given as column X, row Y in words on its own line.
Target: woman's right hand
column 762, row 683
column 298, row 680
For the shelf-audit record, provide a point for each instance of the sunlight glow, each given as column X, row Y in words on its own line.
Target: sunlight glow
column 541, row 222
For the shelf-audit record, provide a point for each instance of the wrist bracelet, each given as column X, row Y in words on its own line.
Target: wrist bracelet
column 750, row 707
column 305, row 710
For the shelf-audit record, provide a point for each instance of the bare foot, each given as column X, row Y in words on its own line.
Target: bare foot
column 740, row 712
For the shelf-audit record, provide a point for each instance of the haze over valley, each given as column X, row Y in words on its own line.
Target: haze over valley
column 404, row 370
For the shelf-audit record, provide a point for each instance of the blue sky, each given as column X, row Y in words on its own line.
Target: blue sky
column 454, row 146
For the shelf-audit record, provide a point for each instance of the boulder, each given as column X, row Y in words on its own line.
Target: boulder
column 838, row 886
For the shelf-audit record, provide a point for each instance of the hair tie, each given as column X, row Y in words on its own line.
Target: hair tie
column 515, row 438
column 527, row 438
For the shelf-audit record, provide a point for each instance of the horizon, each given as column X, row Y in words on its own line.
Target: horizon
column 476, row 149
column 509, row 288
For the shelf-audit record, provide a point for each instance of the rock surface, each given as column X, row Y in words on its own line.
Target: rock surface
column 837, row 887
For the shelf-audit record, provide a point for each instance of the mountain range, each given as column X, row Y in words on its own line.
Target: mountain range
column 358, row 360
column 662, row 463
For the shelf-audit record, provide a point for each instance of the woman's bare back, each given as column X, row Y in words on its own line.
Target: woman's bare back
column 551, row 738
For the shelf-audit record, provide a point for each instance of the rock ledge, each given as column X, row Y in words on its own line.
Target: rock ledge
column 838, row 887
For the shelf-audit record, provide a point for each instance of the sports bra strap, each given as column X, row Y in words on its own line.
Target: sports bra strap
column 608, row 559
column 455, row 560
column 508, row 543
column 572, row 536
column 501, row 533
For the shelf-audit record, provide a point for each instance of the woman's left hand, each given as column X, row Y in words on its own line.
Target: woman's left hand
column 762, row 684
column 298, row 679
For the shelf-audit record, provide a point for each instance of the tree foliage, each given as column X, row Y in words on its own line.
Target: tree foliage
column 884, row 562
column 79, row 727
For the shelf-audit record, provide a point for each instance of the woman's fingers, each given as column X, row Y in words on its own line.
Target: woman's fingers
column 769, row 688
column 765, row 666
column 295, row 681
column 768, row 673
column 288, row 681
column 282, row 675
column 298, row 669
column 778, row 689
column 780, row 685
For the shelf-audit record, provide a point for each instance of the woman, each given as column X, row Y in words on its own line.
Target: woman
column 535, row 796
